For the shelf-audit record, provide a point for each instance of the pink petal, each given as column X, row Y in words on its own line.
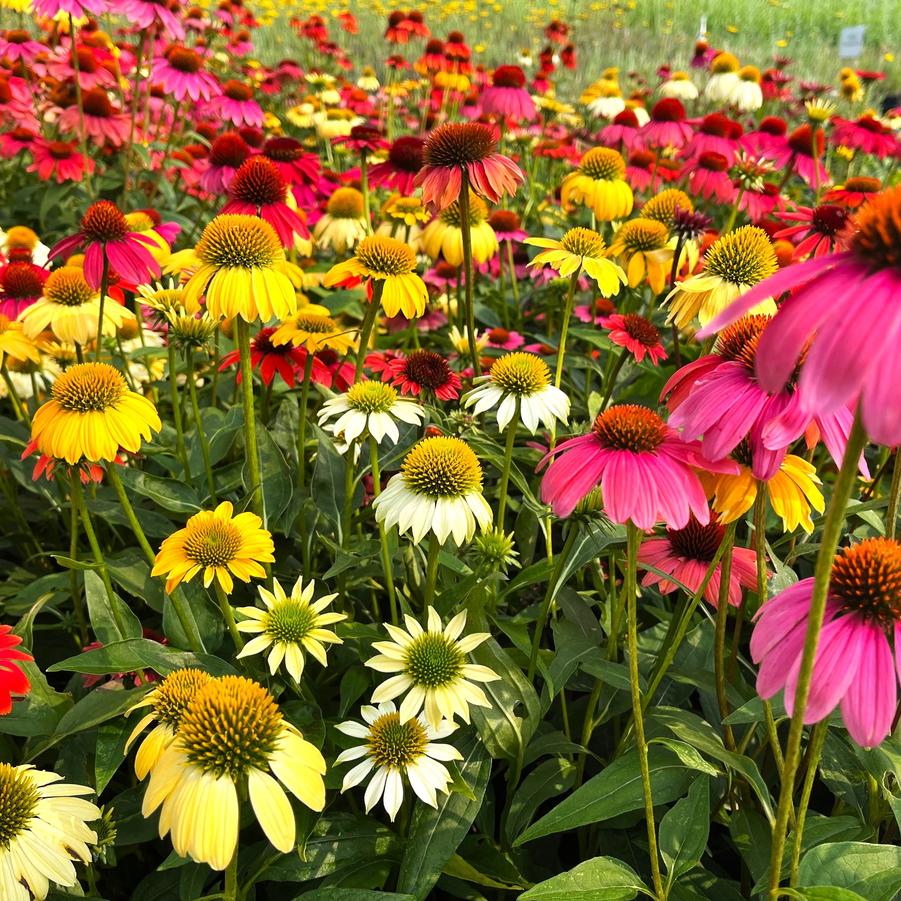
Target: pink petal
column 869, row 704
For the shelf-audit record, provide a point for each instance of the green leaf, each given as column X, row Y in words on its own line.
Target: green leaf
column 615, row 790
column 332, row 893
column 171, row 495
column 435, row 834
column 598, row 879
column 139, row 654
column 278, row 486
column 821, row 893
column 684, row 830
column 546, row 781
column 108, row 753
column 328, row 478
column 101, row 616
column 873, row 871
column 463, row 869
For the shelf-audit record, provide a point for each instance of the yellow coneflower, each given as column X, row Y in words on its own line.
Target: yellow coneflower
column 733, row 264
column 313, row 328
column 230, row 737
column 580, row 248
column 443, row 236
column 15, row 343
column 391, row 262
column 645, row 250
column 290, row 626
column 168, row 297
column 429, row 668
column 599, row 183
column 343, row 223
column 242, row 270
column 91, row 414
column 217, row 544
column 70, row 308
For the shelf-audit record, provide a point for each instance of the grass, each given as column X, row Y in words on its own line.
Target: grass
column 635, row 35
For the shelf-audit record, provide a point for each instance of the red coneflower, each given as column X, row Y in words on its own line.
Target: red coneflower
column 399, row 171
column 637, row 335
column 271, row 360
column 61, row 160
column 363, row 139
column 455, row 148
column 423, row 372
column 798, row 156
column 818, row 231
column 667, row 126
column 769, row 139
column 21, row 284
column 297, row 166
column 855, row 192
column 12, row 680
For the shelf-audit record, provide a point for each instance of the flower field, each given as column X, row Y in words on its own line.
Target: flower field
column 448, row 453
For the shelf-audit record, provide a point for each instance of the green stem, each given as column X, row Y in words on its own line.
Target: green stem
column 251, row 448
column 74, row 587
column 832, row 527
column 611, row 380
column 630, row 588
column 198, row 427
column 369, row 317
column 817, row 740
column 383, row 535
column 719, row 642
column 180, row 448
column 468, row 303
column 564, row 328
column 508, row 462
column 431, row 573
column 891, row 509
column 18, row 407
column 730, row 222
column 364, row 190
column 104, row 287
column 230, row 890
column 228, row 615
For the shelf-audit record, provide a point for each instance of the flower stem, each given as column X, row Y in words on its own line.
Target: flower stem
column 564, row 328
column 180, row 448
column 891, row 509
column 468, row 304
column 230, row 889
column 364, row 189
column 505, row 472
column 719, row 642
column 815, row 749
column 832, row 527
column 383, row 535
column 431, row 573
column 511, row 265
column 630, row 588
column 369, row 317
column 228, row 615
column 611, row 380
column 198, row 426
column 104, row 287
column 18, row 407
column 251, row 447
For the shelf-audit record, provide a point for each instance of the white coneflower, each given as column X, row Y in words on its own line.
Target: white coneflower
column 431, row 669
column 438, row 489
column 290, row 625
column 746, row 95
column 397, row 750
column 522, row 378
column 369, row 406
column 723, row 78
column 680, row 86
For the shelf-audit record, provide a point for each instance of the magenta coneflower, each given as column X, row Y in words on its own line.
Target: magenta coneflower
column 686, row 555
column 770, row 139
column 423, row 372
column 61, row 160
column 640, row 169
column 761, row 203
column 363, row 139
column 76, row 8
column 300, row 168
column 597, row 312
column 236, row 105
column 21, row 284
column 846, row 309
column 818, row 230
column 12, row 143
column 507, row 97
column 504, row 339
column 865, row 134
column 507, row 226
column 637, row 335
column 667, row 126
column 855, row 666
column 227, row 154
column 642, row 465
column 146, row 14
column 716, row 134
column 19, row 46
column 103, row 233
column 710, row 177
column 399, row 171
column 180, row 72
column 798, row 156
column 471, row 147
column 103, row 122
column 258, row 189
column 622, row 133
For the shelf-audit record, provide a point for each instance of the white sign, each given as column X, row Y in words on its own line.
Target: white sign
column 850, row 42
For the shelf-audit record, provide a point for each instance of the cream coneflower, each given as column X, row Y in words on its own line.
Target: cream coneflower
column 443, row 236
column 369, row 406
column 167, row 701
column 291, row 625
column 438, row 489
column 91, row 414
column 242, row 270
column 645, row 250
column 343, row 223
column 217, row 544
column 723, row 77
column 580, row 248
column 599, row 184
column 430, row 669
column 396, row 751
column 393, row 264
column 524, row 379
column 43, row 829
column 232, row 738
column 733, row 264
column 746, row 94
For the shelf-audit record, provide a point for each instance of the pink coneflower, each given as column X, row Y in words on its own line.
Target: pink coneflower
column 146, row 14
column 103, row 122
column 423, row 372
column 710, row 178
column 761, row 203
column 637, row 335
column 507, row 226
column 236, row 105
column 61, row 160
column 602, row 308
column 640, row 168
column 180, row 72
column 363, row 139
column 622, row 133
column 854, row 193
column 686, row 555
column 15, row 103
column 76, row 8
column 21, row 284
column 12, row 143
column 643, row 467
column 846, row 308
column 667, row 126
column 91, row 74
column 716, row 134
column 865, row 134
column 818, row 230
column 507, row 97
column 854, row 666
column 104, row 233
column 798, row 155
column 298, row 167
column 456, row 147
column 399, row 171
column 504, row 339
column 18, row 46
column 227, row 154
column 258, row 189
column 719, row 397
column 770, row 139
